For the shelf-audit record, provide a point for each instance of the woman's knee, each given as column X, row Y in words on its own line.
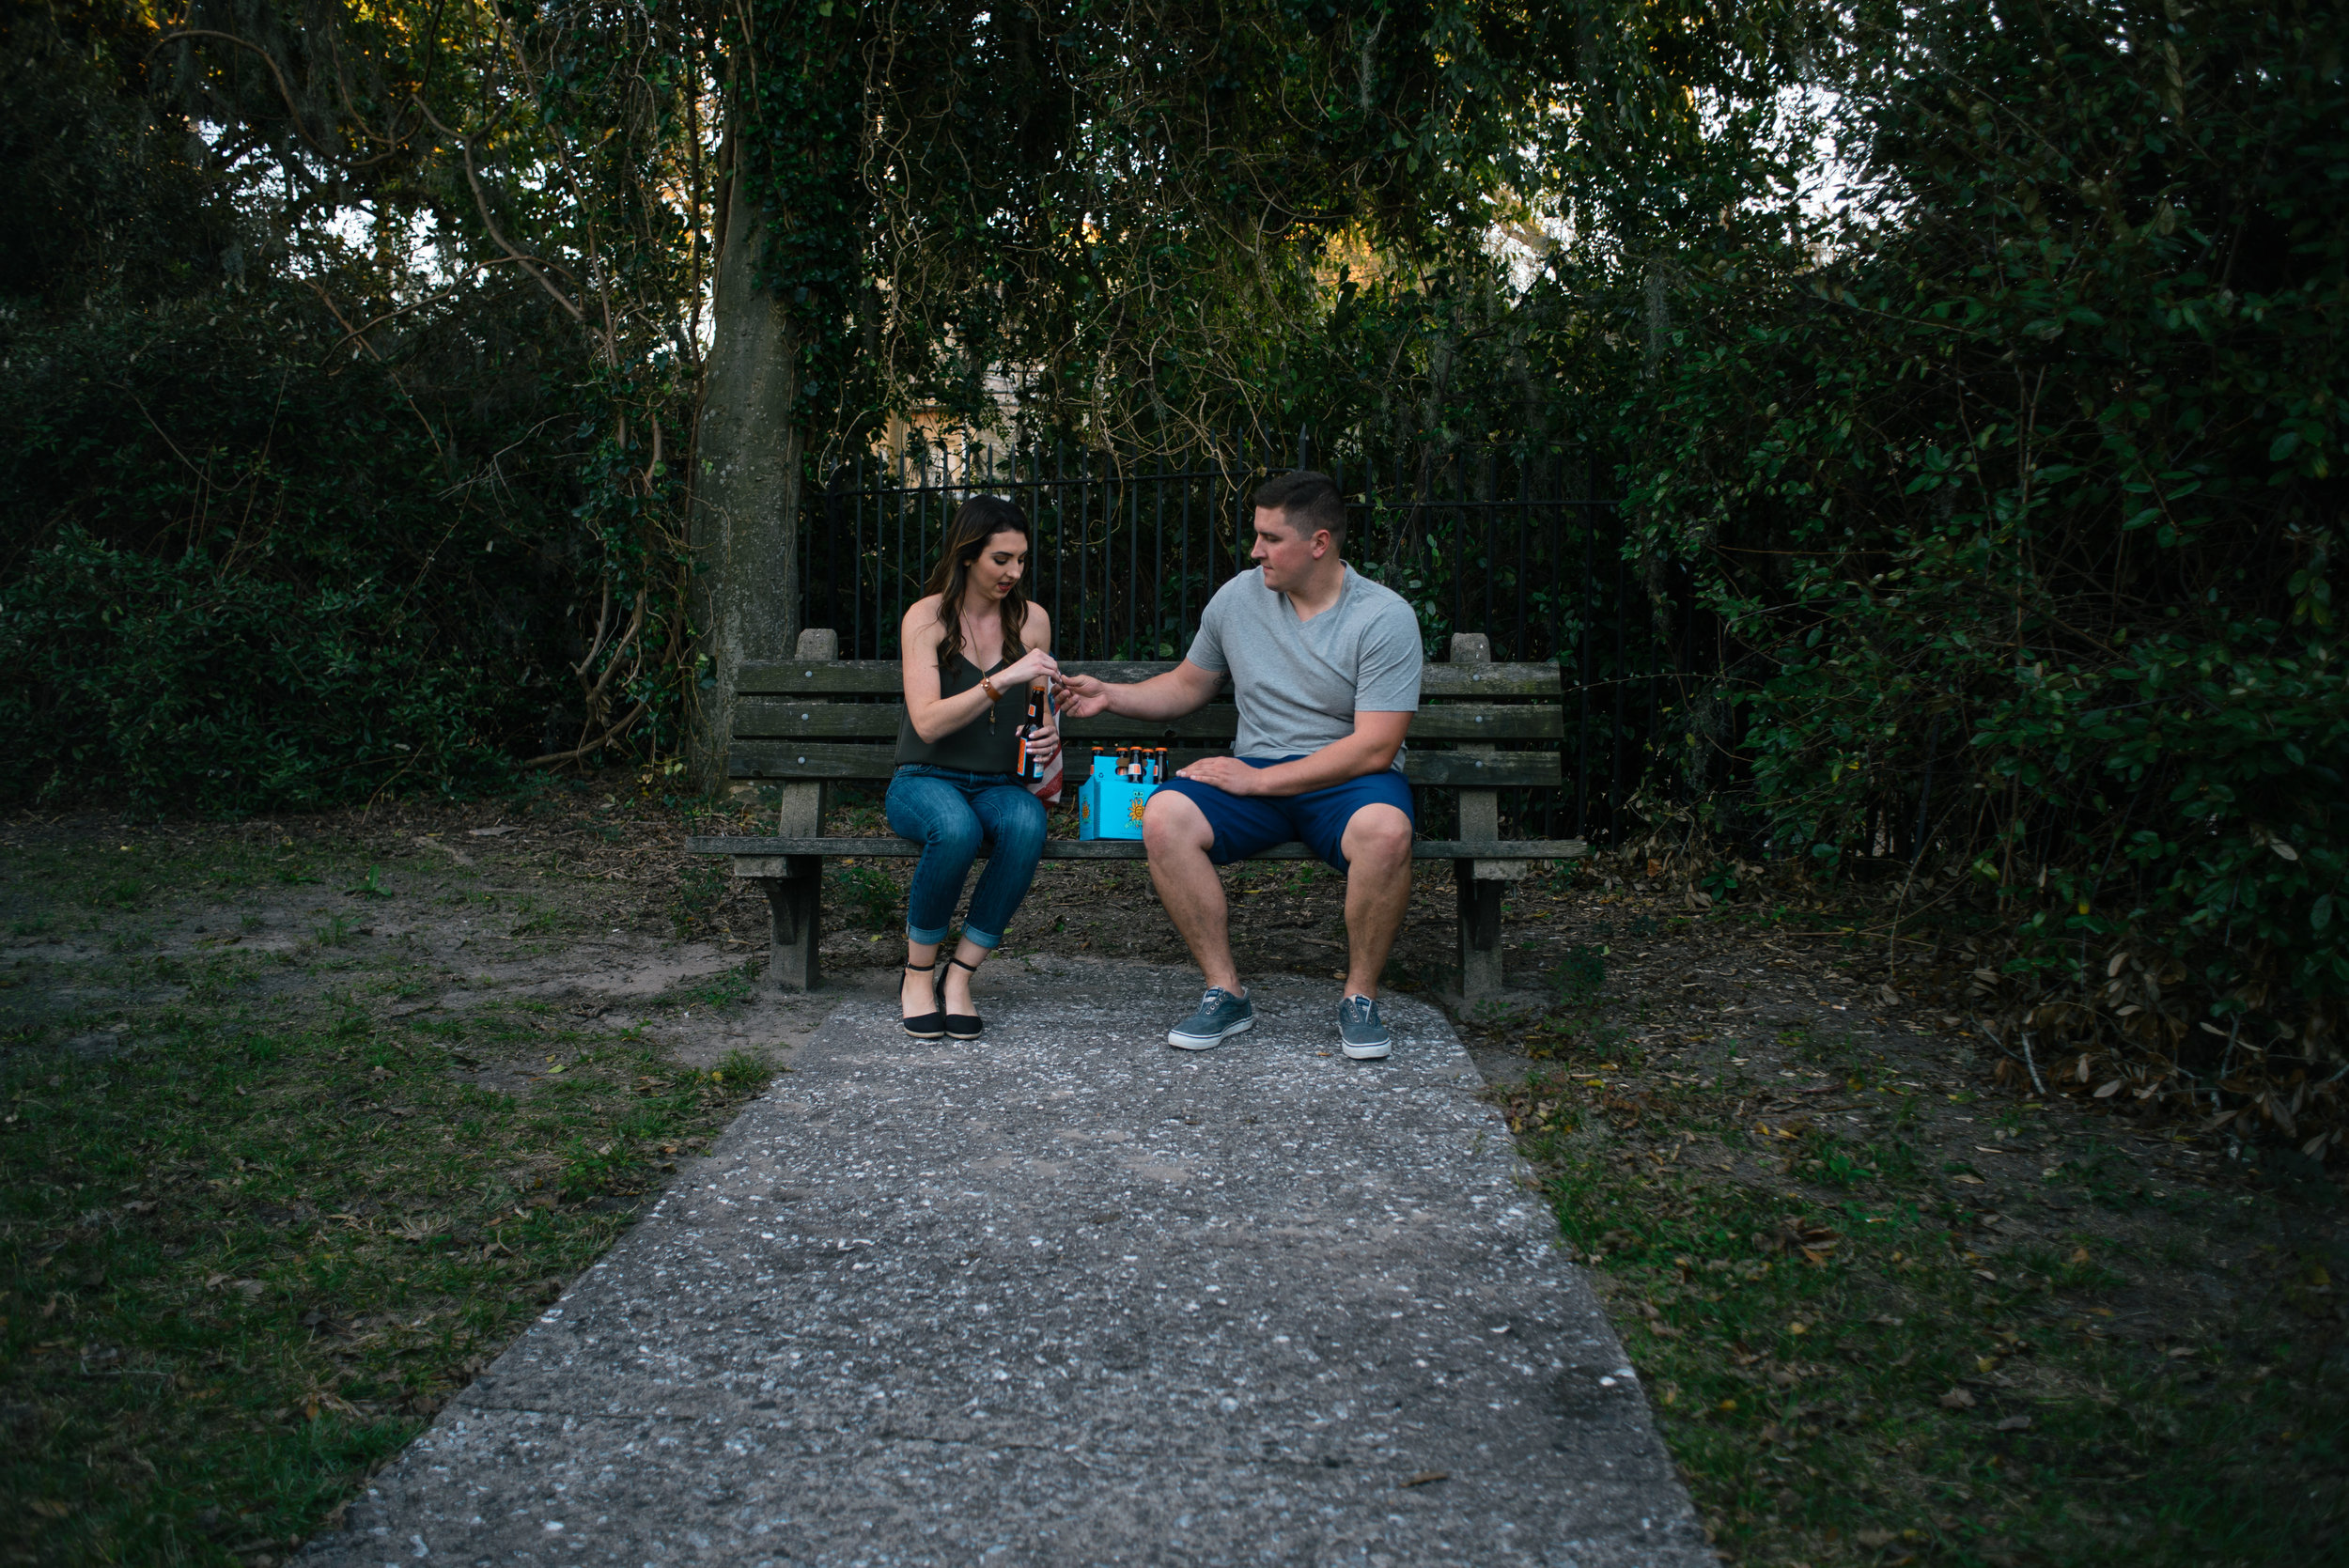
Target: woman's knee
column 937, row 819
column 1019, row 826
column 957, row 836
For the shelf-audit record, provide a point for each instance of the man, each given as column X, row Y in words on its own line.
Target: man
column 1325, row 665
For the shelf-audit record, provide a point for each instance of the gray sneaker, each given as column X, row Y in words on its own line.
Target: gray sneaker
column 1221, row 1016
column 1361, row 1034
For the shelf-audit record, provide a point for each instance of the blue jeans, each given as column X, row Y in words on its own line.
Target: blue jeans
column 947, row 813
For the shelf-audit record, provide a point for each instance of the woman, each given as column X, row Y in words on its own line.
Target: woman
column 973, row 646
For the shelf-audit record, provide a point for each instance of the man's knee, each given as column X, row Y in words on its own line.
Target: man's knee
column 1379, row 836
column 1173, row 821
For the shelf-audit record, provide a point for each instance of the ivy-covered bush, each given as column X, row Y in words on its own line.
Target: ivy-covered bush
column 314, row 480
column 242, row 572
column 2020, row 493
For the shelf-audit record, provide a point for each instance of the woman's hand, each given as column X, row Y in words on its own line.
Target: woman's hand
column 1043, row 743
column 1024, row 671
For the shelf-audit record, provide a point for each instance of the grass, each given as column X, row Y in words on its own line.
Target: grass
column 1847, row 1372
column 865, row 896
column 241, row 1265
column 254, row 1229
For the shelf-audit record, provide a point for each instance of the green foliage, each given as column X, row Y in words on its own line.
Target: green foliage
column 1133, row 215
column 2016, row 486
column 868, row 896
column 229, row 589
column 297, row 502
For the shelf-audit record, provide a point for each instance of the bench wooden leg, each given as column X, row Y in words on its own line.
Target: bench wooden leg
column 795, row 924
column 1480, row 932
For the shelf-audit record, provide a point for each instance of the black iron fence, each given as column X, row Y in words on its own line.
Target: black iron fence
column 1520, row 546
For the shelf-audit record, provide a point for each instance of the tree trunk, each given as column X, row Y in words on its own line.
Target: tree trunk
column 746, row 505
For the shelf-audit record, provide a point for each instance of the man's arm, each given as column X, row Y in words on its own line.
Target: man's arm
column 1185, row 689
column 1369, row 750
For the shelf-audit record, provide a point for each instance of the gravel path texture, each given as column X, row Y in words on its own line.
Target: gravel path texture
column 1064, row 1294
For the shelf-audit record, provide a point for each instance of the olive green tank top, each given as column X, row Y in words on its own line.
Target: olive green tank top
column 979, row 746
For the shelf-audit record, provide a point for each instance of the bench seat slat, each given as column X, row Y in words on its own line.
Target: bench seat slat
column 1121, row 848
column 822, row 759
column 880, row 677
column 783, row 719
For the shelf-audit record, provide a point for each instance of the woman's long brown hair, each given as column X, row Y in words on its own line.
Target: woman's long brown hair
column 975, row 522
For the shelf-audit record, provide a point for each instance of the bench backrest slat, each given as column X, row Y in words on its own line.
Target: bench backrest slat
column 813, row 720
column 782, row 718
column 832, row 759
column 880, row 677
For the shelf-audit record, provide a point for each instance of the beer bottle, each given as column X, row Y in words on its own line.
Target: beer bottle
column 1029, row 767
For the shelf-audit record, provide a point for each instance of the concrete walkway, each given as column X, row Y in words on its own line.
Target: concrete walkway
column 1066, row 1296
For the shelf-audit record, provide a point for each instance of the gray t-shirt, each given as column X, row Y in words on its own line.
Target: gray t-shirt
column 1299, row 683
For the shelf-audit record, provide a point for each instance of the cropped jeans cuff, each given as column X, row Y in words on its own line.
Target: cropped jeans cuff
column 920, row 938
column 976, row 938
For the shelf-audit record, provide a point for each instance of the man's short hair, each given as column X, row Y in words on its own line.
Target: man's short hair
column 1309, row 499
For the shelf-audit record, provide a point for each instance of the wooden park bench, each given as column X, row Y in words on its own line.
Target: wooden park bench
column 820, row 720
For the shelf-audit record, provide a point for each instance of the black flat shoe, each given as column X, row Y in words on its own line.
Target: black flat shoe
column 963, row 1026
column 929, row 1025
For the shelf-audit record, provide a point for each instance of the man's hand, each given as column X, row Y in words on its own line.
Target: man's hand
column 1082, row 696
column 1228, row 774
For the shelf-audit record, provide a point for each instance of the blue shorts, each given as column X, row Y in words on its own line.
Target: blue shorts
column 1244, row 824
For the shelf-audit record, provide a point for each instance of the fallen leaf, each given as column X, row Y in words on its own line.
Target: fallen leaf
column 1875, row 1539
column 1969, row 1181
column 2079, row 1254
column 488, row 833
column 2013, row 1423
column 2110, row 1090
column 1425, row 1477
column 1956, row 1399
